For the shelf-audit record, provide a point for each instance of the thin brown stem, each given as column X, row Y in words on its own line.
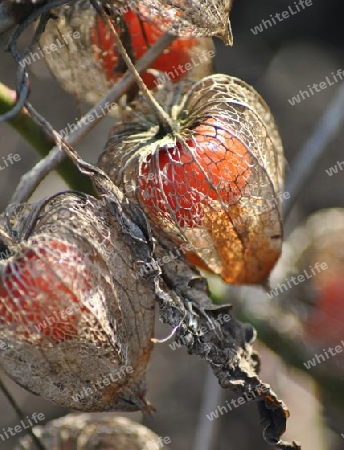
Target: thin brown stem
column 20, row 414
column 164, row 119
column 33, row 178
column 40, row 141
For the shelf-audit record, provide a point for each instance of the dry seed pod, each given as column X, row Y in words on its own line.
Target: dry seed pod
column 86, row 62
column 75, row 319
column 308, row 281
column 215, row 181
column 93, row 431
column 184, row 17
column 189, row 18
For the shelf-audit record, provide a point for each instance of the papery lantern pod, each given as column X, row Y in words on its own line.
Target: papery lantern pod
column 189, row 17
column 93, row 431
column 76, row 320
column 184, row 303
column 184, row 17
column 87, row 66
column 215, row 181
column 308, row 283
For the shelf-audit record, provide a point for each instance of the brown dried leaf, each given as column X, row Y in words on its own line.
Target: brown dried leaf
column 225, row 345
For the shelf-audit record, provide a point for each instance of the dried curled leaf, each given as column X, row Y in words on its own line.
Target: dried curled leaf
column 215, row 181
column 87, row 66
column 227, row 346
column 93, row 431
column 76, row 320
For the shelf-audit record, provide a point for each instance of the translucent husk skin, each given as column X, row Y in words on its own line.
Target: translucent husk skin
column 237, row 234
column 72, row 251
column 90, row 431
column 81, row 66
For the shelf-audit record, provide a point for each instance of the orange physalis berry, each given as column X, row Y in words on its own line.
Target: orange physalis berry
column 71, row 303
column 194, row 180
column 138, row 37
column 87, row 63
column 32, row 285
column 214, row 180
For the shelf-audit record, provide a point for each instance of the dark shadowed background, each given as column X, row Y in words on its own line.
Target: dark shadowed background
column 279, row 62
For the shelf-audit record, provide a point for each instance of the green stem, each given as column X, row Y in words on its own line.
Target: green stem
column 40, row 141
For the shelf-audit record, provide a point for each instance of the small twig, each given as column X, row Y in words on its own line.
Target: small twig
column 23, row 123
column 21, row 416
column 31, row 179
column 211, row 398
column 325, row 130
column 22, row 76
column 40, row 141
column 6, row 238
column 15, row 108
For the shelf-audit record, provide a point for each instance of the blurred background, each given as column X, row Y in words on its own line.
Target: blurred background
column 279, row 62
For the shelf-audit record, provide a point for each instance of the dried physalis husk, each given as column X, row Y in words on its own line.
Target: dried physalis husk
column 188, row 17
column 308, row 281
column 76, row 321
column 93, row 431
column 86, row 62
column 183, row 17
column 214, row 181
